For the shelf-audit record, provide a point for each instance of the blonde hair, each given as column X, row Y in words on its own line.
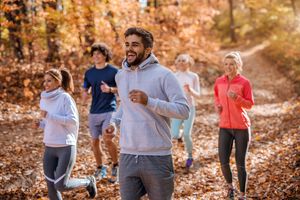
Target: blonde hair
column 64, row 77
column 235, row 55
column 186, row 57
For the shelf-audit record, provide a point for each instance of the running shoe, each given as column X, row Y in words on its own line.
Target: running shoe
column 101, row 173
column 230, row 193
column 114, row 174
column 92, row 187
column 189, row 163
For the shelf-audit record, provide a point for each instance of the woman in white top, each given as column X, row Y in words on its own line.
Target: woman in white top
column 191, row 86
column 60, row 121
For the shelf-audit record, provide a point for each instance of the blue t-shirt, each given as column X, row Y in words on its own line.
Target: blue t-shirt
column 101, row 102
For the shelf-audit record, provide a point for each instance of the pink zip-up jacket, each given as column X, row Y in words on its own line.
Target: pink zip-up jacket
column 234, row 115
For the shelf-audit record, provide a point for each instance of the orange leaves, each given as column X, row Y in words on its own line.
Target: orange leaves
column 28, row 94
column 272, row 159
column 8, row 78
column 26, row 82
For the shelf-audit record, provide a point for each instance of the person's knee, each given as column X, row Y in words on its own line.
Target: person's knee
column 175, row 134
column 225, row 164
column 241, row 167
column 95, row 142
column 60, row 186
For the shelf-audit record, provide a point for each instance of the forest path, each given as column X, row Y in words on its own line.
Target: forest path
column 273, row 158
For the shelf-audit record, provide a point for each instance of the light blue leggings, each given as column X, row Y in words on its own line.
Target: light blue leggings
column 187, row 129
column 58, row 164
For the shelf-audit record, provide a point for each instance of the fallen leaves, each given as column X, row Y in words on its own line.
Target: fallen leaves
column 273, row 160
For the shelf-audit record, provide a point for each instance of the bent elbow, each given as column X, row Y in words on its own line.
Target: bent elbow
column 248, row 106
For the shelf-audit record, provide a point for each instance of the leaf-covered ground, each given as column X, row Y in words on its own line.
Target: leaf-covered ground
column 273, row 160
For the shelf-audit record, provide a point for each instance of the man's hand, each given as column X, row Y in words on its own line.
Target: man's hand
column 109, row 132
column 187, row 88
column 138, row 96
column 104, row 87
column 43, row 113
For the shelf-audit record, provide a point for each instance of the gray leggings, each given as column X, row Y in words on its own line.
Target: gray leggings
column 58, row 164
column 242, row 140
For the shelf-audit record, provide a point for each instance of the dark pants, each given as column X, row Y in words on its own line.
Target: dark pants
column 146, row 174
column 58, row 164
column 242, row 140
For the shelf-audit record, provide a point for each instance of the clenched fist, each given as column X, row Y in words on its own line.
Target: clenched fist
column 138, row 96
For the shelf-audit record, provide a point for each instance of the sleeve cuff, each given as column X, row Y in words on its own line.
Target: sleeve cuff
column 151, row 103
column 238, row 99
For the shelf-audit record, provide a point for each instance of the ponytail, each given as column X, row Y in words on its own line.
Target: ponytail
column 67, row 80
column 64, row 77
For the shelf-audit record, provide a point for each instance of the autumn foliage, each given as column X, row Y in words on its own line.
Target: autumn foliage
column 38, row 35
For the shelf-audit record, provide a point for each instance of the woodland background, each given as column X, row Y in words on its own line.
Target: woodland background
column 36, row 35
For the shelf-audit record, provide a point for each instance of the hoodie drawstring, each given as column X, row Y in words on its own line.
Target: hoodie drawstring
column 136, row 158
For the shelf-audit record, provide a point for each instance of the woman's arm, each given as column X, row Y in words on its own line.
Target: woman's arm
column 70, row 116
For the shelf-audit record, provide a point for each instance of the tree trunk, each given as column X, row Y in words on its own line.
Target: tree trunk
column 294, row 7
column 112, row 23
column 14, row 17
column 153, row 3
column 76, row 16
column 89, row 24
column 252, row 16
column 89, row 28
column 232, row 25
column 51, row 32
column 30, row 12
column 0, row 36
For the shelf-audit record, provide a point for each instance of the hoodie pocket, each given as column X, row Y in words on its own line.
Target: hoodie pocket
column 143, row 136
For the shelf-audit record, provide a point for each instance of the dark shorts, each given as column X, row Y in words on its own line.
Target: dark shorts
column 146, row 174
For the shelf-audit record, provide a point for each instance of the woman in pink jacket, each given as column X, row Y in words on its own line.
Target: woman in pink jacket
column 233, row 95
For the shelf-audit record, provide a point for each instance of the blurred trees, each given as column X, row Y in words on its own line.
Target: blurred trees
column 232, row 26
column 38, row 34
column 14, row 12
column 53, row 29
column 51, row 20
column 258, row 20
column 275, row 21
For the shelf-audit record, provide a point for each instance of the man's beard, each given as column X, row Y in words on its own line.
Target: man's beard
column 138, row 60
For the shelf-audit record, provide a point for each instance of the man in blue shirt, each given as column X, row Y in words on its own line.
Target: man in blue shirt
column 100, row 78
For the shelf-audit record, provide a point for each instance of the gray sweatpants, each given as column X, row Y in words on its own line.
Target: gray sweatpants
column 146, row 174
column 58, row 164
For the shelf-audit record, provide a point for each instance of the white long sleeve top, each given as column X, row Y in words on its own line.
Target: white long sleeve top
column 62, row 120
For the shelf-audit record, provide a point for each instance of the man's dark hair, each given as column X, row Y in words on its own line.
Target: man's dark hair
column 147, row 37
column 103, row 48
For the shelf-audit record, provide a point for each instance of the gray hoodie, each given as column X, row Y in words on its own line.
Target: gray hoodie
column 145, row 130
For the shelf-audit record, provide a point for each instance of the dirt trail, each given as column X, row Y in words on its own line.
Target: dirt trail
column 272, row 160
column 272, row 92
